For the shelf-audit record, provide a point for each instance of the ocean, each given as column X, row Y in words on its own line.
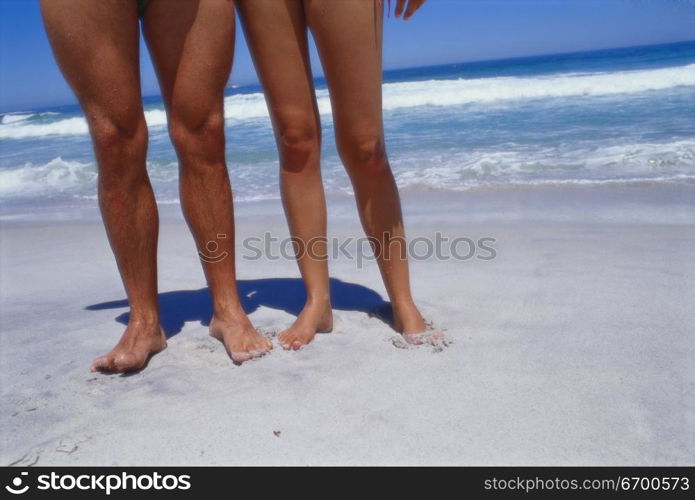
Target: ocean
column 612, row 116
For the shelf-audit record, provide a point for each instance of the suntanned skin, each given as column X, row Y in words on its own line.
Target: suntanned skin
column 348, row 36
column 97, row 48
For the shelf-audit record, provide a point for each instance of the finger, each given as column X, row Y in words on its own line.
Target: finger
column 400, row 6
column 413, row 6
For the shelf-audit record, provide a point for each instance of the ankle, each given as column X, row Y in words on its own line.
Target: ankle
column 318, row 301
column 143, row 320
column 404, row 306
column 407, row 318
column 230, row 314
column 227, row 305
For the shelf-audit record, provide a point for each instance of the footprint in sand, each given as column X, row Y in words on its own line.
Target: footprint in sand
column 30, row 458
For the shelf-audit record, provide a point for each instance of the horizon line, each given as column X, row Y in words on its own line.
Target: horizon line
column 237, row 86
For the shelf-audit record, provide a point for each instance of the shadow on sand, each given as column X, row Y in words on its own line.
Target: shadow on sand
column 285, row 294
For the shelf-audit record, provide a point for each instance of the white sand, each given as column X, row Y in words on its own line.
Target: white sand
column 574, row 346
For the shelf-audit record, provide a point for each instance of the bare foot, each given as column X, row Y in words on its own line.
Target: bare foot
column 409, row 322
column 239, row 337
column 314, row 318
column 137, row 345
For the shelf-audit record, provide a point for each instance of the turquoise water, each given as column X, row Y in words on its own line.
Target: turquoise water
column 615, row 116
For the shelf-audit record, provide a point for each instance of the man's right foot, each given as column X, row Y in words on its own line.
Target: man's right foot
column 137, row 345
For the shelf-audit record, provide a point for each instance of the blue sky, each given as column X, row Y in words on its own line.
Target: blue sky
column 443, row 31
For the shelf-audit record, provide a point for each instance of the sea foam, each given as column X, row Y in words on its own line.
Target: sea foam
column 427, row 169
column 433, row 93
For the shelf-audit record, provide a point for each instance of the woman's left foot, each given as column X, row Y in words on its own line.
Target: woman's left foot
column 409, row 322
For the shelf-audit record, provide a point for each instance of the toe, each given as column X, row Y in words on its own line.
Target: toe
column 240, row 357
column 285, row 342
column 103, row 363
column 429, row 337
column 413, row 338
column 436, row 337
column 432, row 337
column 296, row 345
column 265, row 345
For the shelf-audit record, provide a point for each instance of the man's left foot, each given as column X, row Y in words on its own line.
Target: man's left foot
column 240, row 338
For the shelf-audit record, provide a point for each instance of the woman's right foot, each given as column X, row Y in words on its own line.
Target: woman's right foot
column 137, row 345
column 316, row 317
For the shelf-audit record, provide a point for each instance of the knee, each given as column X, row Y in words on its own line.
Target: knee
column 365, row 154
column 198, row 139
column 120, row 145
column 297, row 143
column 119, row 139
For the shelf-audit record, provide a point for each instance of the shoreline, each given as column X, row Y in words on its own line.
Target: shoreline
column 620, row 202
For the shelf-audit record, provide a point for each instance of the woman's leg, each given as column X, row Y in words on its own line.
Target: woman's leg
column 96, row 47
column 192, row 45
column 348, row 37
column 277, row 37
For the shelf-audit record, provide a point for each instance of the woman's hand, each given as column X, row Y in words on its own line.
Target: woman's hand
column 407, row 12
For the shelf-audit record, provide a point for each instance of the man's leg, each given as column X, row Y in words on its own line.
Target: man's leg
column 96, row 47
column 192, row 45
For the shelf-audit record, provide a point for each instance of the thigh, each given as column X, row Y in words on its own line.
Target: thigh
column 276, row 34
column 348, row 36
column 192, row 46
column 96, row 47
